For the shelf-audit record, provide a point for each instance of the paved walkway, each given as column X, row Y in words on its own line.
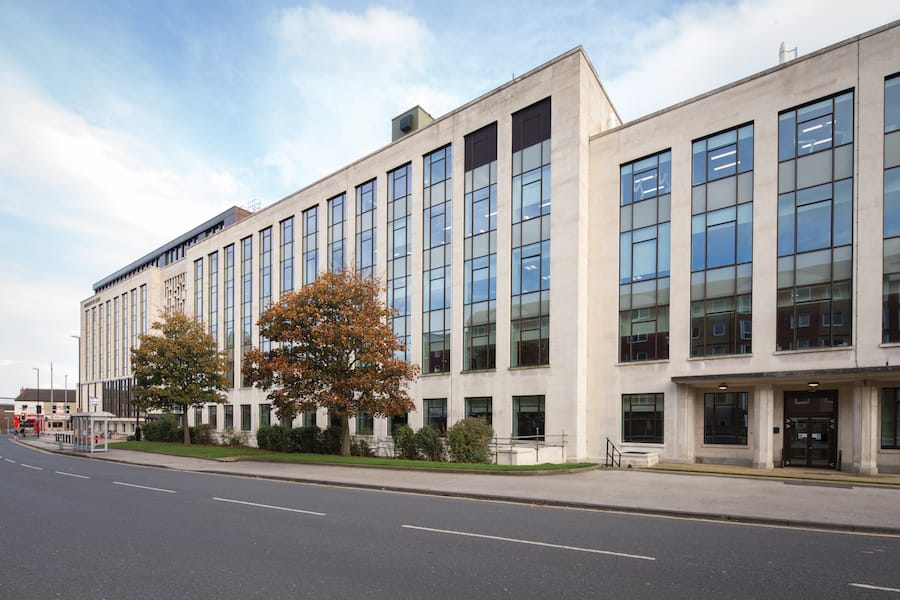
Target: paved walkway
column 794, row 497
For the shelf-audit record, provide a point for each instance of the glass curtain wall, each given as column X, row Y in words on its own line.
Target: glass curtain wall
column 436, row 260
column 399, row 249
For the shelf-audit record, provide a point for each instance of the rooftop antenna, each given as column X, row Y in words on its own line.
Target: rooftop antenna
column 254, row 205
column 784, row 52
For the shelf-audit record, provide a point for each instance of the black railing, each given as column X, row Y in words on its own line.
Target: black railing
column 613, row 456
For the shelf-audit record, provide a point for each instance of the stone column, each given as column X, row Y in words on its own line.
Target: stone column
column 680, row 438
column 762, row 420
column 865, row 430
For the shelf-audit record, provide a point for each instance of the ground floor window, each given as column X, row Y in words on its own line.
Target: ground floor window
column 265, row 415
column 890, row 418
column 396, row 421
column 725, row 418
column 642, row 418
column 479, row 407
column 436, row 413
column 229, row 416
column 528, row 417
column 198, row 415
column 245, row 417
column 214, row 416
column 365, row 423
column 309, row 417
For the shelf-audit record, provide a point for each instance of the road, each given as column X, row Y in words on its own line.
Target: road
column 80, row 528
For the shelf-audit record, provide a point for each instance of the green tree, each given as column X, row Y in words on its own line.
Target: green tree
column 335, row 348
column 179, row 366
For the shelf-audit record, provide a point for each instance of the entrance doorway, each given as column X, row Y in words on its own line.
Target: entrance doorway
column 810, row 429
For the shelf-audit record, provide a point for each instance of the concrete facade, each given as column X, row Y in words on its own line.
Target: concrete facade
column 584, row 381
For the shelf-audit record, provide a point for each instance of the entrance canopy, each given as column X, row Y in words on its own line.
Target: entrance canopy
column 89, row 431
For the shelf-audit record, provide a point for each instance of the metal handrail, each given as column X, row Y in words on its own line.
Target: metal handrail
column 613, row 456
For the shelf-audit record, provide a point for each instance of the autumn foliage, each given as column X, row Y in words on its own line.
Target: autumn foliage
column 333, row 347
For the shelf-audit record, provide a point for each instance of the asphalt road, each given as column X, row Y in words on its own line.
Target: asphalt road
column 80, row 528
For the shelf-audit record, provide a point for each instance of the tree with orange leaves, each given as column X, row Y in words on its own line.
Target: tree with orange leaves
column 333, row 348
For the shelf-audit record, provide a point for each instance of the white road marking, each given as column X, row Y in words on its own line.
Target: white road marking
column 72, row 475
column 30, row 467
column 297, row 510
column 9, row 460
column 875, row 587
column 144, row 487
column 530, row 542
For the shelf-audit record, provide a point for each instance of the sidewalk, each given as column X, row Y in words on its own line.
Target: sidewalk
column 792, row 497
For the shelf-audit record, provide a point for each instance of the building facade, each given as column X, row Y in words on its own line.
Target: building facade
column 706, row 283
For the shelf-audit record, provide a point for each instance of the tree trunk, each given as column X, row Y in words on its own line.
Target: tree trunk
column 345, row 435
column 187, row 430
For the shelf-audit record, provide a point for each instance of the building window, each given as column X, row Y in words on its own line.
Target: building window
column 310, row 245
column 265, row 279
column 229, row 315
column 214, row 416
column 245, row 417
column 530, row 285
column 480, row 407
column 198, row 415
column 365, row 423
column 436, row 414
column 815, row 222
column 116, row 337
column 198, row 289
column 890, row 419
column 642, row 418
column 336, row 220
column 480, row 243
column 246, row 299
column 722, row 242
column 265, row 415
column 366, row 211
column 397, row 421
column 309, row 417
column 891, row 268
column 287, row 255
column 436, row 258
column 528, row 417
column 399, row 249
column 229, row 416
column 644, row 251
column 725, row 418
column 213, row 286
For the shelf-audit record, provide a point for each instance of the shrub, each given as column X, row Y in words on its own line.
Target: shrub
column 405, row 443
column 359, row 446
column 470, row 441
column 262, row 436
column 234, row 439
column 164, row 429
column 293, row 440
column 331, row 441
column 203, row 434
column 276, row 438
column 310, row 441
column 429, row 444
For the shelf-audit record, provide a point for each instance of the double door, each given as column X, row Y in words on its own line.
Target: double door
column 810, row 429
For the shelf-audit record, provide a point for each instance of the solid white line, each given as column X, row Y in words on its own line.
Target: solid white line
column 30, row 467
column 530, row 542
column 875, row 587
column 72, row 475
column 144, row 487
column 297, row 510
column 9, row 460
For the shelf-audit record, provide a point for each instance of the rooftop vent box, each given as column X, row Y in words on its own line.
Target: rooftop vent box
column 409, row 121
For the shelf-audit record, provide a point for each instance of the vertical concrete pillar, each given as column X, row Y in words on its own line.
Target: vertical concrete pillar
column 681, row 443
column 865, row 430
column 761, row 428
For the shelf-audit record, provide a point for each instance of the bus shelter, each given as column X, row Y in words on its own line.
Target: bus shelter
column 89, row 431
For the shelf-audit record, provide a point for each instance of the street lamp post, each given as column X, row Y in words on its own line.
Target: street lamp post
column 78, row 393
column 38, row 384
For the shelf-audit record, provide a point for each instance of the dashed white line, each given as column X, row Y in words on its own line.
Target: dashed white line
column 72, row 475
column 144, row 487
column 530, row 542
column 875, row 587
column 297, row 510
column 30, row 467
column 9, row 460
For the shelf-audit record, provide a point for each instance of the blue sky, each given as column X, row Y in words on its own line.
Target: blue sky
column 126, row 123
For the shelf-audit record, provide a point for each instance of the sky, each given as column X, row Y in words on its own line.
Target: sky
column 125, row 123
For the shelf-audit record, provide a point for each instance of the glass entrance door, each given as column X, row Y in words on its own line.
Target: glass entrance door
column 810, row 429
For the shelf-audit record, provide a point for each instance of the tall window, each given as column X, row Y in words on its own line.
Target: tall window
column 890, row 419
column 365, row 228
column 310, row 244
column 245, row 417
column 528, row 417
column 336, row 220
column 722, row 243
column 229, row 416
column 246, row 299
column 365, row 423
column 815, row 224
column 198, row 289
column 287, row 255
column 94, row 350
column 214, row 416
column 725, row 418
column 480, row 248
column 116, row 334
column 399, row 248
column 436, row 260
column 642, row 418
column 890, row 330
column 229, row 314
column 213, row 320
column 134, row 308
column 108, row 341
column 144, row 327
column 265, row 279
column 265, row 415
column 644, row 252
column 124, row 343
column 436, row 413
column 530, row 303
column 480, row 407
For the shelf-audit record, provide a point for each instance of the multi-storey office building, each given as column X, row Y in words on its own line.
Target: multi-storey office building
column 707, row 283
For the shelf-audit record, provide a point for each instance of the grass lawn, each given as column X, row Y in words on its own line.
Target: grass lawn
column 219, row 452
